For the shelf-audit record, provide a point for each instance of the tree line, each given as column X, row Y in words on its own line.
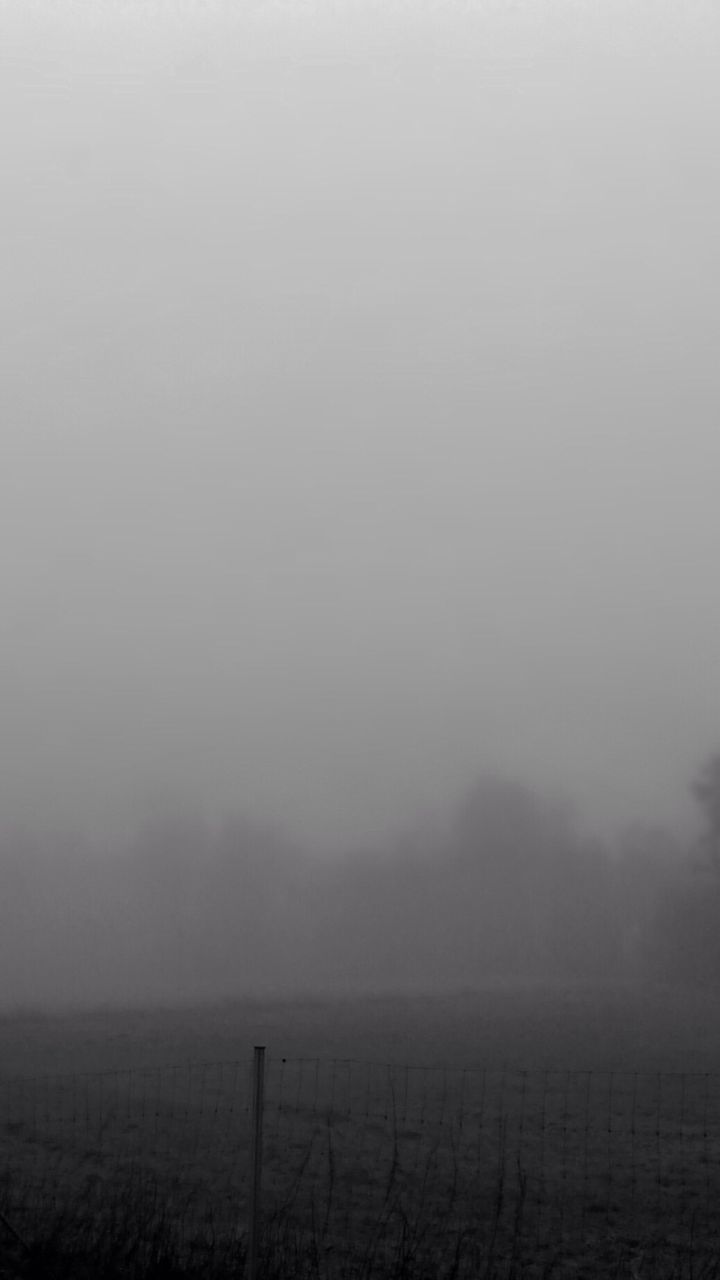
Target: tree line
column 505, row 887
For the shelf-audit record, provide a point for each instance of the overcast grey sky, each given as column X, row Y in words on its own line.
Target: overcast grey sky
column 359, row 405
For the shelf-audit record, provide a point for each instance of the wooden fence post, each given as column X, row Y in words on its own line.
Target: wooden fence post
column 258, row 1090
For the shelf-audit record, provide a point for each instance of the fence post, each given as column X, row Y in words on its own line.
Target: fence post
column 258, row 1090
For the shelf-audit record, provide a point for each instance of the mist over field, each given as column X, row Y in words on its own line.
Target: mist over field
column 505, row 887
column 358, row 495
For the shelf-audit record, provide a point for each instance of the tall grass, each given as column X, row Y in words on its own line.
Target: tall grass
column 127, row 1231
column 369, row 1171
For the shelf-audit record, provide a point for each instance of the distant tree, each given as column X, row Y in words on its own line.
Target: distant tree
column 681, row 938
column 706, row 790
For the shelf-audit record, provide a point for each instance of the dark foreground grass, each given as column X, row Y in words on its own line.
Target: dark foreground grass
column 119, row 1166
column 128, row 1231
column 368, row 1171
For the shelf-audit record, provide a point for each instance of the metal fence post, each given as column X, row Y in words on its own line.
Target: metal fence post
column 258, row 1090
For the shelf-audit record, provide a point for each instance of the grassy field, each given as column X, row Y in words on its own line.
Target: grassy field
column 513, row 1130
column 636, row 1028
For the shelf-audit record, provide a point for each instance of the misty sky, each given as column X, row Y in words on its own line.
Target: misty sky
column 358, row 406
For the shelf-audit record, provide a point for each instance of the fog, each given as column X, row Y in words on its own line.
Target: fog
column 359, row 441
column 504, row 888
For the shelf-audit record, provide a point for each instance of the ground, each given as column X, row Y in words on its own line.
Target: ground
column 528, row 1119
column 526, row 1025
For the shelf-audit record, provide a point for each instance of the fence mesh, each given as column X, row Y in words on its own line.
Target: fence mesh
column 163, row 1146
column 502, row 1160
column 363, row 1160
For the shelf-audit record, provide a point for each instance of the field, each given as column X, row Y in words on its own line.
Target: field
column 513, row 1130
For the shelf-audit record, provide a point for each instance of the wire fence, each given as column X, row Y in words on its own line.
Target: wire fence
column 361, row 1159
column 510, row 1162
column 176, row 1136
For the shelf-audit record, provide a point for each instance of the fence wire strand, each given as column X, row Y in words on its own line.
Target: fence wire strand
column 359, row 1154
